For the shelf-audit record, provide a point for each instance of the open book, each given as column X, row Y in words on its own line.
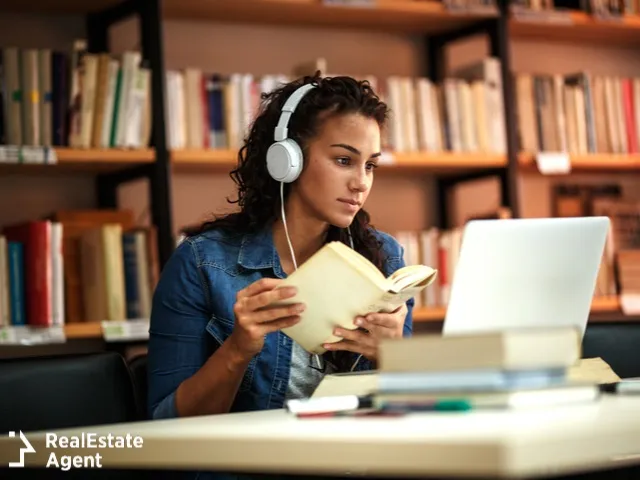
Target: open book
column 337, row 284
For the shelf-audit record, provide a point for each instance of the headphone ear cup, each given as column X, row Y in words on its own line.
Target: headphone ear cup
column 284, row 160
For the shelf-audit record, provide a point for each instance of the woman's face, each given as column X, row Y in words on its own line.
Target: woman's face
column 338, row 171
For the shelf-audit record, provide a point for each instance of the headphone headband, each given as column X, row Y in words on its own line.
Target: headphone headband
column 289, row 107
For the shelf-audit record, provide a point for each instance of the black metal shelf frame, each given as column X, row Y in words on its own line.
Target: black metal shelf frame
column 497, row 31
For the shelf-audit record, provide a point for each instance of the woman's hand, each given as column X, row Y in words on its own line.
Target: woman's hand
column 373, row 328
column 254, row 319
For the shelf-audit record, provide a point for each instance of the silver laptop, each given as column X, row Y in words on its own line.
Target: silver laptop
column 524, row 273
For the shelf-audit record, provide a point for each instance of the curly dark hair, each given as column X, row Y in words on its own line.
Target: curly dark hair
column 259, row 193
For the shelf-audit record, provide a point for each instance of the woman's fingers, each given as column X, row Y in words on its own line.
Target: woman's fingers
column 262, row 285
column 270, row 314
column 387, row 320
column 356, row 335
column 265, row 299
column 281, row 323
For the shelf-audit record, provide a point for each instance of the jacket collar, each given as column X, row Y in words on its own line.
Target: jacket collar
column 257, row 252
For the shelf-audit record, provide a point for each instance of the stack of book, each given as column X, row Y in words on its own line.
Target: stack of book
column 533, row 368
column 509, row 369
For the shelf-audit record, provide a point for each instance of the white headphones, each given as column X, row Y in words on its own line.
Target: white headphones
column 284, row 157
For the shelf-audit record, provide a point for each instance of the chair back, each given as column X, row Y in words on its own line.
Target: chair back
column 65, row 392
column 618, row 344
column 138, row 368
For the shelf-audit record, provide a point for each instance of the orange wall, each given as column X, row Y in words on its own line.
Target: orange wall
column 397, row 202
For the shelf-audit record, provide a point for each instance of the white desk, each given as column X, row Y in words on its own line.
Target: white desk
column 497, row 444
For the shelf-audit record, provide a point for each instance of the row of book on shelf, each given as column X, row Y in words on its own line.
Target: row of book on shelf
column 609, row 10
column 98, row 265
column 463, row 113
column 87, row 100
column 620, row 269
column 76, row 98
column 579, row 113
column 77, row 266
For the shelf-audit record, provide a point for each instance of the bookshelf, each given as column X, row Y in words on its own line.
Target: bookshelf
column 87, row 161
column 437, row 29
column 384, row 15
column 579, row 27
column 93, row 330
column 594, row 163
column 426, row 162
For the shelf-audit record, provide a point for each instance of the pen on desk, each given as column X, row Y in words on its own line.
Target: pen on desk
column 320, row 405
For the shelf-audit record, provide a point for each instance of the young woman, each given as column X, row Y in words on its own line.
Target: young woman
column 214, row 345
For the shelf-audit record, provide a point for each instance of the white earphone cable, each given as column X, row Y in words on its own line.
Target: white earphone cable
column 295, row 264
column 286, row 230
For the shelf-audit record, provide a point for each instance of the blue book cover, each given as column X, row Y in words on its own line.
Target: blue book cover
column 16, row 283
column 131, row 275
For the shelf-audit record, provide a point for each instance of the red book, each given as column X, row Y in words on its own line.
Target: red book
column 36, row 240
column 629, row 115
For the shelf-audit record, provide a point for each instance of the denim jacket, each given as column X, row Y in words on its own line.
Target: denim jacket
column 192, row 314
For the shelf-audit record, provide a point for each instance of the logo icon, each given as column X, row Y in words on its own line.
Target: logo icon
column 28, row 448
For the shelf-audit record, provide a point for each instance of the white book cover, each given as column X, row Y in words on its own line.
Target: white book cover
column 396, row 119
column 453, row 113
column 57, row 269
column 130, row 65
column 109, row 103
column 137, row 107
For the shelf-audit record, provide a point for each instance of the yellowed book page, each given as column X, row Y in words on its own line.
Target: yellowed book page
column 336, row 285
column 358, row 262
column 334, row 293
column 593, row 370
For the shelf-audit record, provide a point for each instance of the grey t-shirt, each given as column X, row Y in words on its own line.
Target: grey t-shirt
column 304, row 379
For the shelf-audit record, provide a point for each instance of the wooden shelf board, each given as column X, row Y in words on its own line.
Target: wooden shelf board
column 81, row 330
column 65, row 7
column 388, row 15
column 72, row 160
column 429, row 314
column 583, row 28
column 225, row 160
column 600, row 162
column 214, row 159
column 447, row 161
column 600, row 306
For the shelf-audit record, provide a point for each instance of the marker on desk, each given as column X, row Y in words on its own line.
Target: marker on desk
column 452, row 405
column 623, row 387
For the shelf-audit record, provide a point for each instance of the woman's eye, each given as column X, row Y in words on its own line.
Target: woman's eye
column 343, row 160
column 372, row 166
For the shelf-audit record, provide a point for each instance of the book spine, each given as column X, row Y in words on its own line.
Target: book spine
column 16, row 283
column 131, row 275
